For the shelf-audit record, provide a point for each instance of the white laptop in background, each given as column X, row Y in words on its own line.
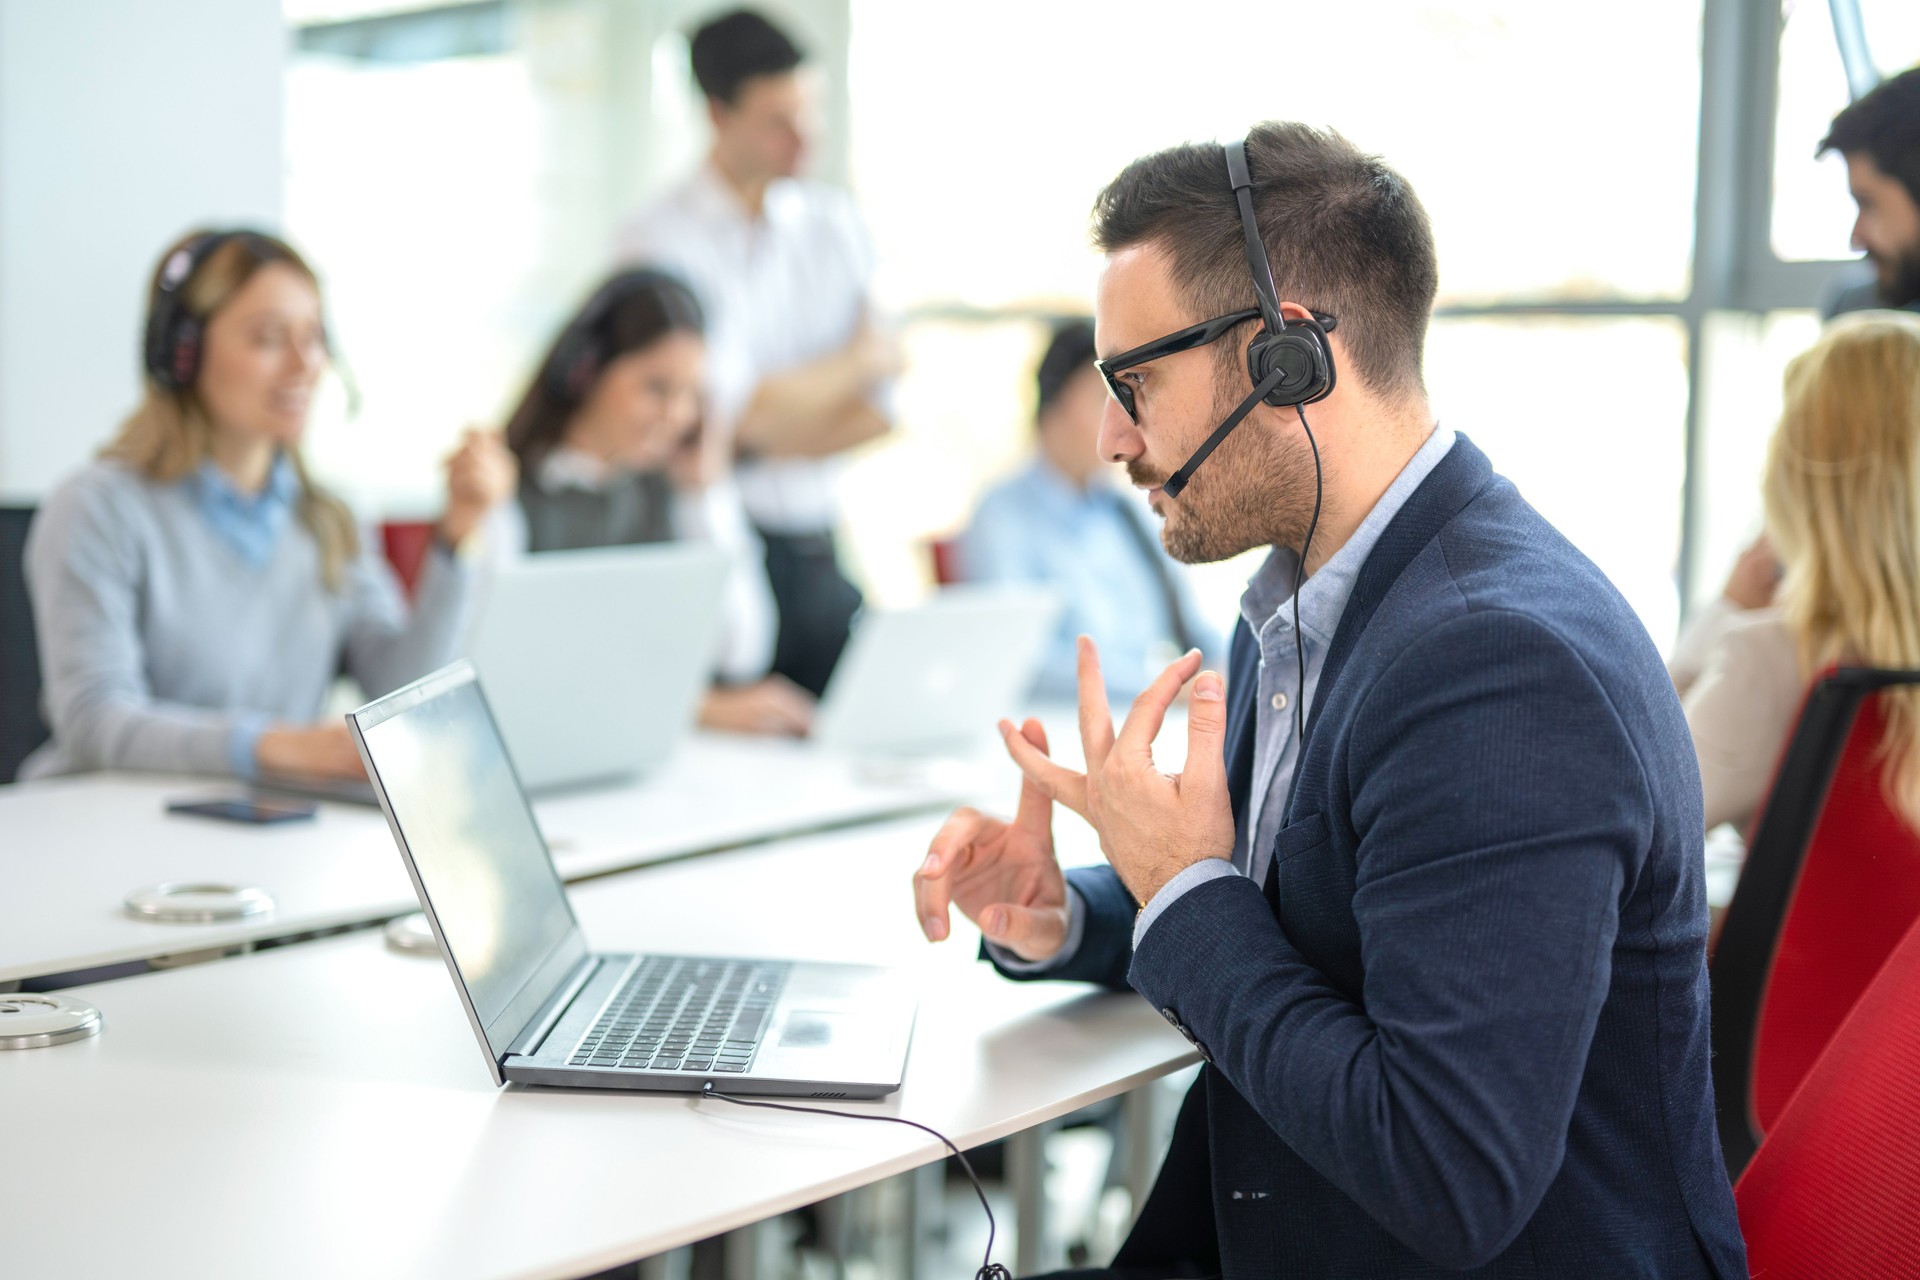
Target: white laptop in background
column 544, row 1008
column 595, row 661
column 935, row 678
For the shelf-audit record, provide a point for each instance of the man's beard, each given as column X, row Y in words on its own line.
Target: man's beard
column 1898, row 280
column 1257, row 489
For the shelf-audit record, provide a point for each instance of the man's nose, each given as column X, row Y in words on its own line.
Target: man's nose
column 1119, row 438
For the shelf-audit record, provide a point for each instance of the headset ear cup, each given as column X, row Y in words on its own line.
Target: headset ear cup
column 184, row 353
column 1300, row 354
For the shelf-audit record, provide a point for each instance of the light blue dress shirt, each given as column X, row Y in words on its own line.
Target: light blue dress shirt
column 1267, row 607
column 252, row 525
column 1090, row 546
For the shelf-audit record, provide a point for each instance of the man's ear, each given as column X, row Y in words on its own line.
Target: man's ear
column 717, row 112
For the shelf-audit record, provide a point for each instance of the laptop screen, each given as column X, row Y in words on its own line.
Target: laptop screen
column 480, row 858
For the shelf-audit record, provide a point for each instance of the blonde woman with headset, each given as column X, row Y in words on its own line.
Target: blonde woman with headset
column 195, row 593
column 1842, row 500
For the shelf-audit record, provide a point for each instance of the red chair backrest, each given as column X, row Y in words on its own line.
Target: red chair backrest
column 1834, row 1189
column 945, row 554
column 406, row 543
column 1858, row 892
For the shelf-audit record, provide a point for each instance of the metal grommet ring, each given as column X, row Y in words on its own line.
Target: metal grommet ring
column 412, row 934
column 31, row 1020
column 189, row 903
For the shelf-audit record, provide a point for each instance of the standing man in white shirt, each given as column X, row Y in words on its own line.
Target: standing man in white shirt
column 796, row 370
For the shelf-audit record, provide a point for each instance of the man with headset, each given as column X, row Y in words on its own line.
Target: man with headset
column 1428, row 895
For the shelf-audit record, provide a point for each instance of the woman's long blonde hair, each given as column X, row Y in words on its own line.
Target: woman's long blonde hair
column 1842, row 496
column 169, row 435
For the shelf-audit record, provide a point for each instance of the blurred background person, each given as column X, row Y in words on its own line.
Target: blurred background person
column 611, row 454
column 195, row 594
column 1842, row 499
column 783, row 267
column 1066, row 521
column 1879, row 136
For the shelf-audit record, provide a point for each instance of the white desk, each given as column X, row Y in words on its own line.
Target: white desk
column 323, row 1110
column 72, row 849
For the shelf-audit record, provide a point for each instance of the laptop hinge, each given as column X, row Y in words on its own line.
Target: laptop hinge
column 528, row 1041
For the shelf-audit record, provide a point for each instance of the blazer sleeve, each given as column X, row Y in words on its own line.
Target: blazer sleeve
column 1500, row 806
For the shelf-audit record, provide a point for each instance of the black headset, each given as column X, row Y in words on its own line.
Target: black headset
column 584, row 348
column 1289, row 361
column 174, row 334
column 176, row 338
column 1290, row 364
column 1295, row 351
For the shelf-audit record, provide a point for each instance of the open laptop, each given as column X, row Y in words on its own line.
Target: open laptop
column 595, row 662
column 544, row 1008
column 935, row 677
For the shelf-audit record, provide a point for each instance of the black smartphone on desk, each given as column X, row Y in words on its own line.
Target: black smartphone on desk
column 256, row 812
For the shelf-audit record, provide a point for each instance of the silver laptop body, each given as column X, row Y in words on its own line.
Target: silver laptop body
column 545, row 1009
column 935, row 677
column 595, row 662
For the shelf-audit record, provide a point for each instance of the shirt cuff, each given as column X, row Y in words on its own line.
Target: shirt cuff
column 1076, row 932
column 1192, row 878
column 242, row 740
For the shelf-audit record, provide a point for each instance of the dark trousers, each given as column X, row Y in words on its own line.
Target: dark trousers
column 816, row 605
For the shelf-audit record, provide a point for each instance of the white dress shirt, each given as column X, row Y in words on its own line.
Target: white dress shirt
column 781, row 289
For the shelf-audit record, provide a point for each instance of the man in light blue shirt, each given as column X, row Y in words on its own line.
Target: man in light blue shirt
column 1063, row 522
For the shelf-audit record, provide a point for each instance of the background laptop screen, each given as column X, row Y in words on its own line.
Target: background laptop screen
column 474, row 843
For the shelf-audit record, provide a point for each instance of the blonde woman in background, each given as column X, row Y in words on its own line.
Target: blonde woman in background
column 195, row 594
column 1842, row 500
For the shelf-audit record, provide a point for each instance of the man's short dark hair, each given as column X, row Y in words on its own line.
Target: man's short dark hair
column 735, row 47
column 1069, row 350
column 1885, row 126
column 1346, row 235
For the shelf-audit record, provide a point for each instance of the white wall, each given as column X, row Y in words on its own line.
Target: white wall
column 122, row 124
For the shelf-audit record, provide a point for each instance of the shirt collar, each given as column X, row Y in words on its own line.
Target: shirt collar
column 213, row 488
column 566, row 467
column 713, row 197
column 250, row 523
column 1269, row 594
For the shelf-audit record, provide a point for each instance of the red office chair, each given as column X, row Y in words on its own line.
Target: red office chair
column 1831, row 884
column 945, row 555
column 1835, row 1188
column 406, row 543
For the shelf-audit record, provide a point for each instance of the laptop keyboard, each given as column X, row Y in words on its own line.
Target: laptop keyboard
column 677, row 1013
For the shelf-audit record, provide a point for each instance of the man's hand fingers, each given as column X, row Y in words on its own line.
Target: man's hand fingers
column 1096, row 722
column 1150, row 708
column 1206, row 767
column 932, row 883
column 1032, row 933
column 1036, row 807
column 1053, row 781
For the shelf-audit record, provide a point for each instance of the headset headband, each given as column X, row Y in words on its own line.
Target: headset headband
column 1257, row 265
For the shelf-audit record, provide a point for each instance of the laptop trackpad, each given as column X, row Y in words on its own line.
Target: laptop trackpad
column 812, row 1029
column 831, row 1045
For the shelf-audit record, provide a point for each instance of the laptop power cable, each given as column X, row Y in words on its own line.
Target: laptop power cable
column 989, row 1269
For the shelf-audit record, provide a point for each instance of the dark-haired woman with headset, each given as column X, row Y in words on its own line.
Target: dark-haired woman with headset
column 611, row 454
column 195, row 593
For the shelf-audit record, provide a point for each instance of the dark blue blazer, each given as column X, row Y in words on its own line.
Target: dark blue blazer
column 1463, row 1025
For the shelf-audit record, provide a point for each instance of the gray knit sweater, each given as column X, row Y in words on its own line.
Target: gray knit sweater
column 161, row 648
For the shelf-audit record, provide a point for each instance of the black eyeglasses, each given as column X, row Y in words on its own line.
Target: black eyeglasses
column 1187, row 339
